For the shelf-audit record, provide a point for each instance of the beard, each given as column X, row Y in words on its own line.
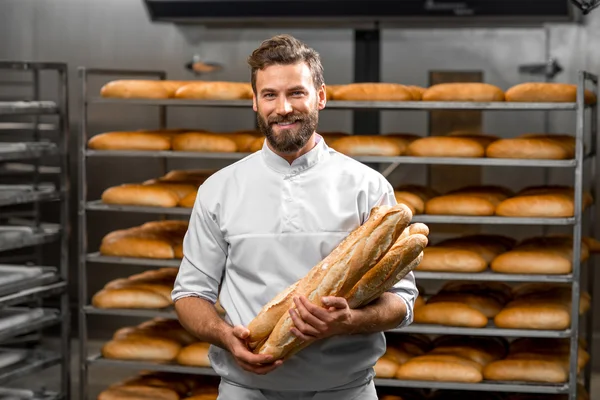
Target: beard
column 293, row 139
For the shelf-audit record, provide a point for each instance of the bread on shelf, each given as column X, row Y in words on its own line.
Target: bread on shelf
column 463, row 91
column 543, row 92
column 533, row 146
column 542, row 202
column 215, row 90
column 131, row 140
column 414, row 196
column 373, row 91
column 472, row 200
column 141, row 89
column 369, row 145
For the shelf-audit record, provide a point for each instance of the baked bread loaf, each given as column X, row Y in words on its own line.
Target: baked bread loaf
column 257, row 144
column 472, row 200
column 543, row 92
column 243, row 141
column 459, row 145
column 534, row 146
column 464, row 91
column 385, row 257
column 373, row 91
column 138, row 393
column 141, row 141
column 368, row 145
column 543, row 202
column 385, row 367
column 158, row 239
column 195, row 354
column 216, row 90
column 414, row 196
column 141, row 89
column 203, row 142
column 155, row 195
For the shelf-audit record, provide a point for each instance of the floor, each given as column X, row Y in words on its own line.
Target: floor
column 100, row 377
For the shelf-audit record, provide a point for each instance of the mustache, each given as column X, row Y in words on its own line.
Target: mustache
column 287, row 119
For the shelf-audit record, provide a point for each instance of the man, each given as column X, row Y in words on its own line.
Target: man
column 262, row 223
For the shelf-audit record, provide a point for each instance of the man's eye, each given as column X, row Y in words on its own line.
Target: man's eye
column 269, row 95
column 297, row 93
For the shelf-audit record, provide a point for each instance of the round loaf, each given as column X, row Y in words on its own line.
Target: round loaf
column 532, row 262
column 138, row 392
column 141, row 349
column 143, row 195
column 373, row 91
column 450, row 314
column 359, row 145
column 525, row 371
column 445, row 146
column 195, row 354
column 131, row 297
column 444, row 368
column 534, row 314
column 542, row 92
column 140, row 89
column 217, row 90
column 540, row 148
column 447, row 259
column 203, row 142
column 464, row 91
column 385, row 368
column 460, row 204
column 130, row 141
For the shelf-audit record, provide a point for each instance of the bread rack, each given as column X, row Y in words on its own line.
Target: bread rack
column 27, row 282
column 581, row 160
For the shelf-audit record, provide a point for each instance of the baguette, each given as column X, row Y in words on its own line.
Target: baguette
column 373, row 91
column 140, row 89
column 216, row 90
column 542, row 92
column 463, row 91
column 204, row 142
column 130, row 141
column 368, row 145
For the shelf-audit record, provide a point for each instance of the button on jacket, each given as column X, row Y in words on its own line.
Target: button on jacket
column 261, row 224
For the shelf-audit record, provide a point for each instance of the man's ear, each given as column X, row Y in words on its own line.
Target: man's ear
column 254, row 107
column 322, row 96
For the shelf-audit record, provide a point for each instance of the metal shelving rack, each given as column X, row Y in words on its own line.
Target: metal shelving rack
column 23, row 286
column 577, row 164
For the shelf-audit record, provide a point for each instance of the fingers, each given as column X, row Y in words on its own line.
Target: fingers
column 241, row 332
column 260, row 369
column 301, row 329
column 318, row 312
column 337, row 302
column 308, row 312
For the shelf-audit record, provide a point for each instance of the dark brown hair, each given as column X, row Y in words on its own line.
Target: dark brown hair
column 285, row 50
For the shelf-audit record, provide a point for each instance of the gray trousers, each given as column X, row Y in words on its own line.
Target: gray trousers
column 228, row 391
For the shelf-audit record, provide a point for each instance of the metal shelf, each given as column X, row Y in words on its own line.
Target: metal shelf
column 32, row 293
column 46, row 319
column 485, row 386
column 165, row 154
column 27, row 394
column 98, row 205
column 491, row 220
column 32, row 361
column 489, row 330
column 140, row 365
column 490, row 276
column 28, row 108
column 20, row 194
column 137, row 312
column 16, row 237
column 21, row 151
column 350, row 105
column 148, row 262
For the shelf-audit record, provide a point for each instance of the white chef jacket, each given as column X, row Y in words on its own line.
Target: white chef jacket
column 261, row 224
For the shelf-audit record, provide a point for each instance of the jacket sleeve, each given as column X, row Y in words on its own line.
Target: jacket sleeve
column 406, row 288
column 204, row 256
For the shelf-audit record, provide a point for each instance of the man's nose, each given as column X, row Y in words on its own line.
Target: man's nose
column 284, row 107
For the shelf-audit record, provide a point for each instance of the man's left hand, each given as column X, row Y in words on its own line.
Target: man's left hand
column 313, row 322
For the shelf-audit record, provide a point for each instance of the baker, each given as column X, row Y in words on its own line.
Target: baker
column 262, row 223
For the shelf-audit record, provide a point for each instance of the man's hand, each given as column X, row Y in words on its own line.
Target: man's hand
column 235, row 340
column 313, row 322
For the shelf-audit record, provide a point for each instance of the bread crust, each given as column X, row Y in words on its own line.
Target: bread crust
column 542, row 92
column 373, row 91
column 464, row 91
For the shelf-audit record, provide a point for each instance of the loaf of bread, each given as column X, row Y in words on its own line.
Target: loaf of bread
column 141, row 349
column 215, row 90
column 385, row 367
column 416, row 92
column 141, row 89
column 141, row 141
column 368, row 145
column 195, row 354
column 374, row 91
column 155, row 195
column 181, row 384
column 158, row 239
column 462, row 145
column 539, row 255
column 472, row 200
column 131, row 297
column 243, row 141
column 534, row 146
column 138, row 393
column 377, row 245
column 203, row 142
column 414, row 196
column 543, row 92
column 188, row 201
column 542, row 202
column 464, row 91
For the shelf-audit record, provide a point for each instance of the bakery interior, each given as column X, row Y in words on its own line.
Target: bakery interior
column 505, row 183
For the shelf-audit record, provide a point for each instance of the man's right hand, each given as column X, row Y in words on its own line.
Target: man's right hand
column 235, row 341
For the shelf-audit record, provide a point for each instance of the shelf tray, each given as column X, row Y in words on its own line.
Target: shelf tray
column 25, row 320
column 98, row 205
column 20, row 194
column 19, row 151
column 28, row 107
column 148, row 262
column 16, row 237
column 484, row 386
column 138, row 312
column 350, row 105
column 489, row 330
column 32, row 361
column 490, row 276
column 27, row 394
column 491, row 220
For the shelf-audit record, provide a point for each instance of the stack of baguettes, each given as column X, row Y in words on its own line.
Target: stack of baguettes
column 156, row 239
column 162, row 386
column 178, row 188
column 369, row 261
column 157, row 340
column 197, row 140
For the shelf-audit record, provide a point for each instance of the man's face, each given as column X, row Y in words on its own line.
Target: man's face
column 287, row 105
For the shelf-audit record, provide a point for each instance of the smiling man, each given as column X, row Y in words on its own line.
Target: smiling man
column 262, row 223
